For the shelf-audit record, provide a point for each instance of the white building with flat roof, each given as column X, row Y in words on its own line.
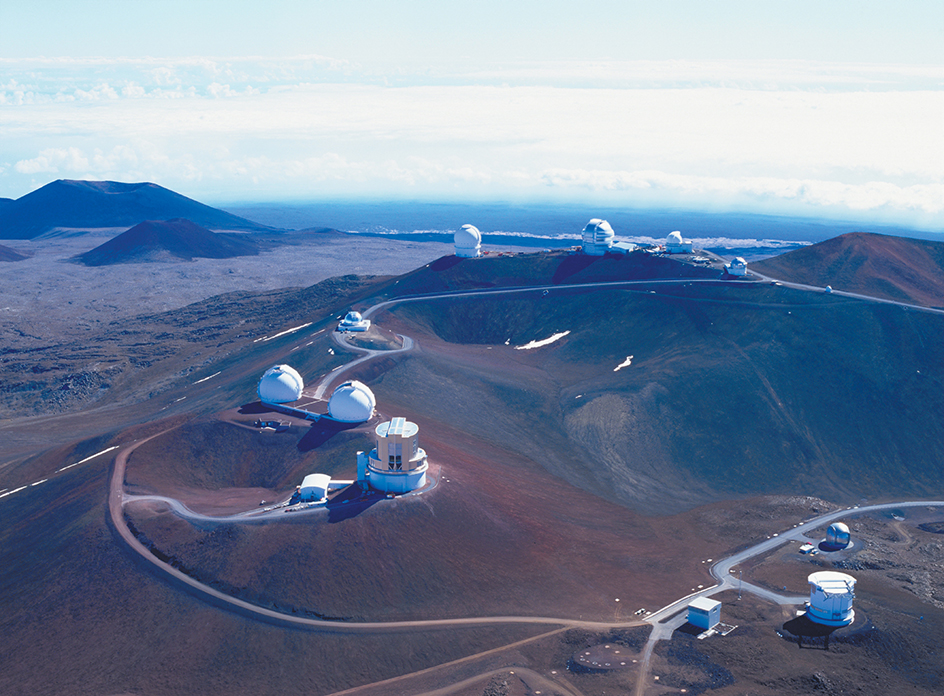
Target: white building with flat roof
column 314, row 488
column 398, row 464
column 704, row 613
column 831, row 595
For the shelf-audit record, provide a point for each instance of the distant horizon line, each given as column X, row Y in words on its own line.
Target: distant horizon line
column 571, row 205
column 561, row 204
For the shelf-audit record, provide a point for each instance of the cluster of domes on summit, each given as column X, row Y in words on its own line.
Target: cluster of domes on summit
column 597, row 239
column 351, row 402
column 396, row 465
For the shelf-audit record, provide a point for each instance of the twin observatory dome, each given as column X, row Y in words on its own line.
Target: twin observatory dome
column 352, row 402
column 396, row 465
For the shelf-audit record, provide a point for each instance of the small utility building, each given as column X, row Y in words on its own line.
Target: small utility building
column 314, row 488
column 704, row 613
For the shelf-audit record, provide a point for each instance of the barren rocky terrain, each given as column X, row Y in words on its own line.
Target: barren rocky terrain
column 670, row 424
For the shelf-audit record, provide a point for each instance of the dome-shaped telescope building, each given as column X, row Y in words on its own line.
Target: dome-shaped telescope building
column 831, row 596
column 674, row 244
column 468, row 242
column 398, row 464
column 352, row 402
column 597, row 237
column 353, row 321
column 280, row 384
column 838, row 536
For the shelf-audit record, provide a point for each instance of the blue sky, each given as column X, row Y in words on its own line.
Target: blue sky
column 831, row 109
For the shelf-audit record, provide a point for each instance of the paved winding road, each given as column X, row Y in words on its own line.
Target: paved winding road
column 664, row 622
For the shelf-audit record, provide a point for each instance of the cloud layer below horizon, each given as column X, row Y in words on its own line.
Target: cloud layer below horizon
column 784, row 137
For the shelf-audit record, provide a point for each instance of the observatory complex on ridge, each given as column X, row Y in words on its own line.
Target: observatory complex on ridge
column 396, row 465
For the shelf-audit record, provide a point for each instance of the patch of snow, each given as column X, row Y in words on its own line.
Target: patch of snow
column 97, row 454
column 15, row 490
column 542, row 343
column 283, row 333
column 206, row 378
column 626, row 363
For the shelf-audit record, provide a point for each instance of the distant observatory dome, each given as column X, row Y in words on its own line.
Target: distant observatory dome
column 353, row 321
column 597, row 237
column 468, row 241
column 674, row 244
column 838, row 535
column 280, row 384
column 352, row 402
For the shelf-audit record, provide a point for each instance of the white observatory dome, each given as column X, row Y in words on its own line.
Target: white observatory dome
column 468, row 241
column 674, row 238
column 352, row 402
column 838, row 535
column 597, row 237
column 353, row 317
column 280, row 384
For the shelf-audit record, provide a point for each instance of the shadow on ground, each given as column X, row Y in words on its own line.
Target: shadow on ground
column 351, row 502
column 321, row 431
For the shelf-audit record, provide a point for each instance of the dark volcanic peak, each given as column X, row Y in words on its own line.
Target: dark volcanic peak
column 90, row 204
column 164, row 240
column 895, row 268
column 8, row 254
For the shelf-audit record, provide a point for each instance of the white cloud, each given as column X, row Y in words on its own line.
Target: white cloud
column 201, row 122
column 52, row 159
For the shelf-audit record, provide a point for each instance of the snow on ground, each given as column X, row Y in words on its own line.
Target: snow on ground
column 626, row 363
column 541, row 344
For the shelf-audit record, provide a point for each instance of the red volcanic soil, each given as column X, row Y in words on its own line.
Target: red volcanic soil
column 86, row 616
column 157, row 240
column 90, row 204
column 8, row 254
column 498, row 535
column 894, row 268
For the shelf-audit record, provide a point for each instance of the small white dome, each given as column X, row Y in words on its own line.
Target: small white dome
column 674, row 238
column 353, row 317
column 468, row 241
column 280, row 384
column 352, row 402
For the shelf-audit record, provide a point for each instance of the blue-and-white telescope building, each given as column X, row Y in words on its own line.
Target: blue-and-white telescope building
column 398, row 463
